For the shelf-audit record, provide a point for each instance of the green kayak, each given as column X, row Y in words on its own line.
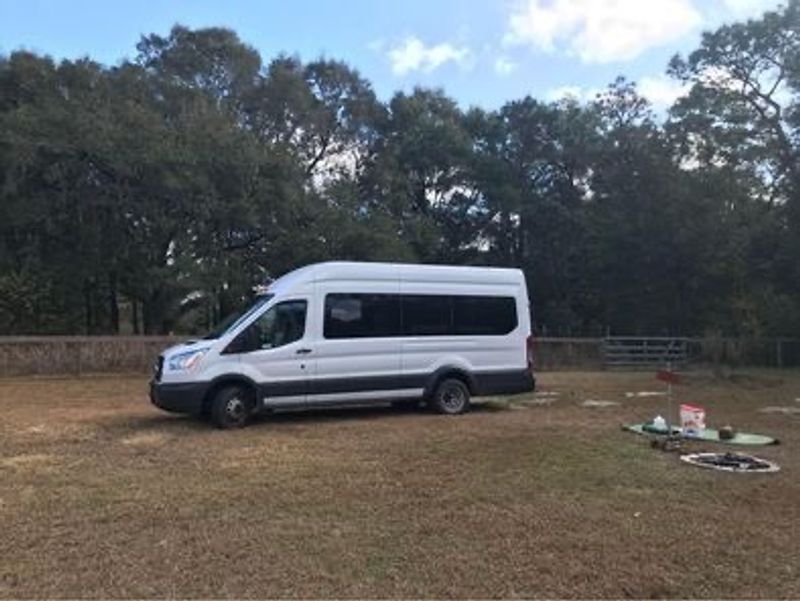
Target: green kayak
column 708, row 435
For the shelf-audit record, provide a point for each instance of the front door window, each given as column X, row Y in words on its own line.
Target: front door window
column 281, row 324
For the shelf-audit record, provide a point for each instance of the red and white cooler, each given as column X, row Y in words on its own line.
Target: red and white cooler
column 693, row 420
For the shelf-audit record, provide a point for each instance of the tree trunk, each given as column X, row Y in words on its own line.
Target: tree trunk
column 149, row 320
column 87, row 306
column 135, row 316
column 113, row 304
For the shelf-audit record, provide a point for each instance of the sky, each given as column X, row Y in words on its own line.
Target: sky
column 482, row 53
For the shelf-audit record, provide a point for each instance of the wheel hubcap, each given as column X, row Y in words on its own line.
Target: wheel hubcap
column 453, row 398
column 235, row 408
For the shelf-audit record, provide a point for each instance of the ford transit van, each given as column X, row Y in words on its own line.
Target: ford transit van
column 354, row 333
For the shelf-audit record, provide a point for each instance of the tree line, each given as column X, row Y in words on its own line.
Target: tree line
column 151, row 196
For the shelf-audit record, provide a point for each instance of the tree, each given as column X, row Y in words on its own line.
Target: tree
column 741, row 121
column 153, row 195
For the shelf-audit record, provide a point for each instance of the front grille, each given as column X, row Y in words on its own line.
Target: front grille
column 159, row 368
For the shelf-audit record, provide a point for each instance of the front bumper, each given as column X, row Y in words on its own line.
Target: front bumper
column 179, row 398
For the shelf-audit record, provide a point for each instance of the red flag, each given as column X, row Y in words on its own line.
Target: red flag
column 670, row 377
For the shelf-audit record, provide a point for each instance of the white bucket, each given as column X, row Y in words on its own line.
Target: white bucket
column 693, row 420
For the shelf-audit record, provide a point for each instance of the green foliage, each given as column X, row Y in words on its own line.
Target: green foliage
column 153, row 195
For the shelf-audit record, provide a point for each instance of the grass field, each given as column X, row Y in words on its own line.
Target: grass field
column 102, row 495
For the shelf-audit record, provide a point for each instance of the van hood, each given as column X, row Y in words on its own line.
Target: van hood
column 187, row 347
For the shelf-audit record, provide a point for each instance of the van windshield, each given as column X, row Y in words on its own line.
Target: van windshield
column 234, row 319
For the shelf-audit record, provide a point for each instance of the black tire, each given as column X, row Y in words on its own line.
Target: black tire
column 231, row 407
column 451, row 397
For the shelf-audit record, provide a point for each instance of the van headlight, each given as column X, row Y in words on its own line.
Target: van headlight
column 186, row 361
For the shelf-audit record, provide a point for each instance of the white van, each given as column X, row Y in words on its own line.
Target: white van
column 338, row 333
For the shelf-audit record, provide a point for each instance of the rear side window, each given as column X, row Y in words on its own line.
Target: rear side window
column 484, row 315
column 390, row 315
column 362, row 316
column 437, row 315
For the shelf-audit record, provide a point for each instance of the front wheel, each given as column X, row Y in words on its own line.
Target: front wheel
column 231, row 407
column 451, row 397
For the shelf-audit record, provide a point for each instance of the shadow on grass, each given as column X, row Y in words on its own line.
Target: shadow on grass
column 179, row 424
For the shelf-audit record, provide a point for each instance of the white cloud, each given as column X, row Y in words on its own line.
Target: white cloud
column 742, row 9
column 578, row 93
column 601, row 31
column 414, row 55
column 504, row 66
column 662, row 91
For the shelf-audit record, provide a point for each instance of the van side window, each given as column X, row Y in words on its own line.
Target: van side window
column 361, row 316
column 281, row 324
column 427, row 315
column 437, row 315
column 484, row 315
column 389, row 315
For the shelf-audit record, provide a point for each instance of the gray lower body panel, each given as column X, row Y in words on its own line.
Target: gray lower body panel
column 189, row 398
column 481, row 384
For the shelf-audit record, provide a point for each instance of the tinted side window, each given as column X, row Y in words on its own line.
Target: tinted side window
column 427, row 315
column 386, row 315
column 484, row 315
column 361, row 315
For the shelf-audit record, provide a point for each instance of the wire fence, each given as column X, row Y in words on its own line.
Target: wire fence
column 79, row 355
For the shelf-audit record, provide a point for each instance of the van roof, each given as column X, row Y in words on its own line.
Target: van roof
column 358, row 270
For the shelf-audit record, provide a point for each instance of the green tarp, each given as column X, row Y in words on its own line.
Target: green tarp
column 708, row 435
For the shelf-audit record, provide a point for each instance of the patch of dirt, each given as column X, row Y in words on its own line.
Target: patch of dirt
column 598, row 403
column 784, row 410
column 145, row 439
column 537, row 401
column 27, row 461
column 37, row 429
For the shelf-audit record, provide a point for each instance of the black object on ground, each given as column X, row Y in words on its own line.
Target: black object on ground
column 731, row 462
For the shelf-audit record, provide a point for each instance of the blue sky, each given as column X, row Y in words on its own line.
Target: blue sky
column 481, row 52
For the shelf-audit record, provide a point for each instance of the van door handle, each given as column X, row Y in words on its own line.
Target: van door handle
column 303, row 351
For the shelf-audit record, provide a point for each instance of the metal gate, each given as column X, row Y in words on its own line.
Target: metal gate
column 635, row 351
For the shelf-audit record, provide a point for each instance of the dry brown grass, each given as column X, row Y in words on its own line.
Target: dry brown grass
column 102, row 495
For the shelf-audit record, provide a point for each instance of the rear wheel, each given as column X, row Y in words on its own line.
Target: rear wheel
column 231, row 407
column 451, row 397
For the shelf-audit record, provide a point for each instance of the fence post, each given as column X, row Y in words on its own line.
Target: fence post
column 779, row 354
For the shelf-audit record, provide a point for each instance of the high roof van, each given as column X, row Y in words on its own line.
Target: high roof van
column 354, row 333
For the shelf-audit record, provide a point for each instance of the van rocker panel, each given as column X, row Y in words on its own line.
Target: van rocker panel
column 481, row 383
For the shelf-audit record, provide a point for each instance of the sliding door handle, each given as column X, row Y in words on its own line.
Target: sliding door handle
column 303, row 351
